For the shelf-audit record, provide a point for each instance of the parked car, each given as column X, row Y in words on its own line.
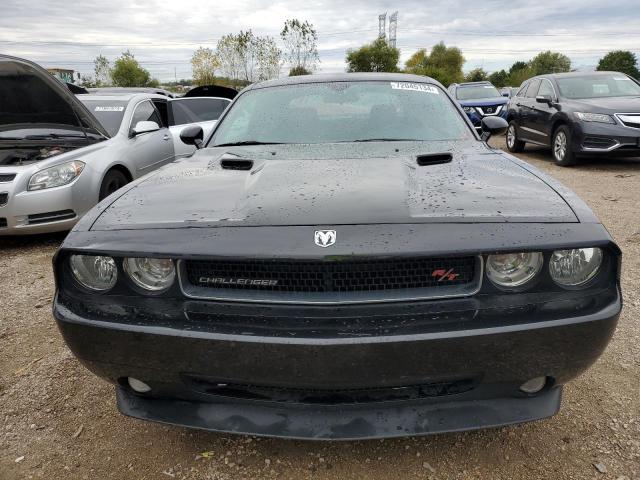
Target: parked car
column 203, row 111
column 130, row 90
column 578, row 115
column 509, row 91
column 60, row 153
column 345, row 259
column 479, row 100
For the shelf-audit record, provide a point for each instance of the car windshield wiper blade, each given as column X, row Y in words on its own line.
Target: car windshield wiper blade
column 246, row 142
column 52, row 135
column 385, row 140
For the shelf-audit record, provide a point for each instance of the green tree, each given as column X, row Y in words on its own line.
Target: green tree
column 127, row 72
column 102, row 71
column 295, row 71
column 550, row 62
column 204, row 63
column 499, row 78
column 377, row 56
column 518, row 73
column 442, row 63
column 301, row 49
column 476, row 75
column 620, row 61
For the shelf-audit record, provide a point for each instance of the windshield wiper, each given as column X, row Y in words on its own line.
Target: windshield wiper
column 246, row 142
column 385, row 140
column 52, row 135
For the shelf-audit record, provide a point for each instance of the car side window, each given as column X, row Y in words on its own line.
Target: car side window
column 546, row 89
column 532, row 91
column 522, row 90
column 145, row 112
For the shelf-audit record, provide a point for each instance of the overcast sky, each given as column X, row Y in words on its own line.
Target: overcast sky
column 162, row 35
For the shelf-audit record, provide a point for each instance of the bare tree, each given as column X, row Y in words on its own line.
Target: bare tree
column 102, row 70
column 247, row 57
column 300, row 39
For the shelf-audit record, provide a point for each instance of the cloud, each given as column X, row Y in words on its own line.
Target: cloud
column 492, row 34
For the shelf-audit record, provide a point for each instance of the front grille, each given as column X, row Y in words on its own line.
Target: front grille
column 60, row 215
column 4, row 199
column 332, row 276
column 598, row 142
column 7, row 177
column 630, row 119
column 3, row 222
column 490, row 109
column 331, row 396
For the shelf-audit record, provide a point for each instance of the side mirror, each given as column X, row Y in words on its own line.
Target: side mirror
column 144, row 127
column 493, row 126
column 544, row 99
column 192, row 135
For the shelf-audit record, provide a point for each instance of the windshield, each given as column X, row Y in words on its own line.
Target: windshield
column 342, row 112
column 108, row 112
column 472, row 92
column 595, row 86
column 192, row 110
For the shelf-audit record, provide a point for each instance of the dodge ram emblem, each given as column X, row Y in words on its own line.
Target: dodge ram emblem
column 325, row 238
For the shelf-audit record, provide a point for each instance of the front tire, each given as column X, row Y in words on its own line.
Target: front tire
column 513, row 144
column 561, row 147
column 112, row 181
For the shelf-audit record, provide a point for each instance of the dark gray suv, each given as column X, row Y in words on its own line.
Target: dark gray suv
column 577, row 114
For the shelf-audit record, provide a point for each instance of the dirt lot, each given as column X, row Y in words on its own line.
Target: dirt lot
column 57, row 421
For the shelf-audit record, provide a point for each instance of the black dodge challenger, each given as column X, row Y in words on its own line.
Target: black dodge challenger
column 344, row 259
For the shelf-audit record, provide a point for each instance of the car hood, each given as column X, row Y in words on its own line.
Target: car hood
column 607, row 105
column 337, row 184
column 31, row 95
column 483, row 102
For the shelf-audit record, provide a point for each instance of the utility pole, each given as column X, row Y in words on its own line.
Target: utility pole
column 382, row 25
column 393, row 26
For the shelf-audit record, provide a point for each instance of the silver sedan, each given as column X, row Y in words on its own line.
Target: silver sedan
column 60, row 154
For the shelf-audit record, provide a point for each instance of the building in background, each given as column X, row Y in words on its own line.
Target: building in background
column 63, row 74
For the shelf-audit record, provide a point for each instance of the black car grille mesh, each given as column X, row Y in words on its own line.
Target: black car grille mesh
column 4, row 198
column 3, row 223
column 597, row 142
column 38, row 218
column 7, row 177
column 332, row 276
column 332, row 397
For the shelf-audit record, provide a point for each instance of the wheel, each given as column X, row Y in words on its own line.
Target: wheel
column 113, row 180
column 513, row 144
column 561, row 147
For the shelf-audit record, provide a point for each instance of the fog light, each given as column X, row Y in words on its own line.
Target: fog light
column 534, row 385
column 138, row 385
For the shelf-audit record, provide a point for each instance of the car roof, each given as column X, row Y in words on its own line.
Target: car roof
column 468, row 84
column 578, row 74
column 120, row 97
column 343, row 77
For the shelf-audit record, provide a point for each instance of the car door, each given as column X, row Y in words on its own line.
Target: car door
column 525, row 105
column 541, row 113
column 203, row 111
column 148, row 151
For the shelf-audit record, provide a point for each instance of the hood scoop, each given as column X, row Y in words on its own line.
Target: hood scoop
column 236, row 164
column 433, row 159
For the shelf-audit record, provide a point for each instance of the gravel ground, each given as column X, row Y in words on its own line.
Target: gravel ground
column 58, row 421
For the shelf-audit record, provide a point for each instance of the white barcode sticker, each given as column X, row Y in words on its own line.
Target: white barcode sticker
column 417, row 87
column 108, row 109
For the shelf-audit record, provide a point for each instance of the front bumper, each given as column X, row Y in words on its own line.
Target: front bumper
column 597, row 139
column 43, row 211
column 292, row 371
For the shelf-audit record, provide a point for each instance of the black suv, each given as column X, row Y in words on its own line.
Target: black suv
column 577, row 114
